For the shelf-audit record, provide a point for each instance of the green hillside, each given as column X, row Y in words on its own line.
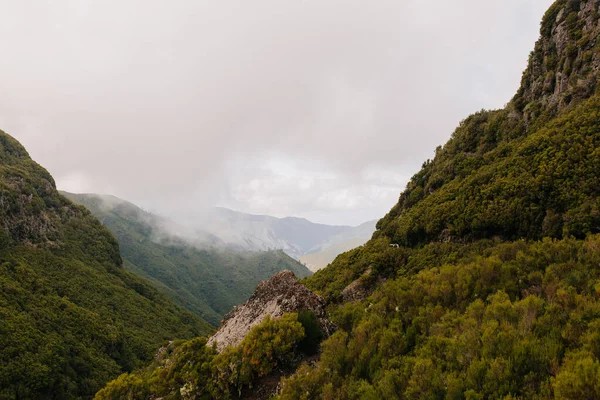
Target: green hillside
column 491, row 255
column 483, row 282
column 208, row 282
column 71, row 318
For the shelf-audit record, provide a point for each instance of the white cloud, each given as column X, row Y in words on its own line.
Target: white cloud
column 266, row 106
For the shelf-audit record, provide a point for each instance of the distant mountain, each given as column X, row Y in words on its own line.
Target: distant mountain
column 324, row 253
column 296, row 236
column 71, row 318
column 482, row 282
column 196, row 269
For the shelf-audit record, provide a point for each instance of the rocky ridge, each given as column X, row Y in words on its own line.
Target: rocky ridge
column 280, row 294
column 564, row 66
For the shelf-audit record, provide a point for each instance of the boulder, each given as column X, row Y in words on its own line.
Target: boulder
column 280, row 294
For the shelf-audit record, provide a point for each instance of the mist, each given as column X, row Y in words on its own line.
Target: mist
column 316, row 109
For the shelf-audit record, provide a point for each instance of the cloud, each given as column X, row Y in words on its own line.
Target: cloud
column 181, row 105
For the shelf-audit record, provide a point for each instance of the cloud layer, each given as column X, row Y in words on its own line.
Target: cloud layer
column 321, row 109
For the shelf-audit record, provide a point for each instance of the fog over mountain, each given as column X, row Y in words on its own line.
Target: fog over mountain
column 272, row 245
column 193, row 267
column 222, row 228
column 295, row 236
column 315, row 109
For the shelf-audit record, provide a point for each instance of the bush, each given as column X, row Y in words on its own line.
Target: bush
column 313, row 333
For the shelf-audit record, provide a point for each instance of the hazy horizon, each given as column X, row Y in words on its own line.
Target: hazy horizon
column 319, row 110
column 201, row 213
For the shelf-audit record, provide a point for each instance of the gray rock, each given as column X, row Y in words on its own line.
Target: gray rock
column 276, row 296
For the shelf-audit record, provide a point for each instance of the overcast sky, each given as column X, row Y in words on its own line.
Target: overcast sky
column 321, row 109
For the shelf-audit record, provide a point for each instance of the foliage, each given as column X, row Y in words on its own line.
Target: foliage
column 487, row 271
column 519, row 319
column 549, row 19
column 491, row 258
column 541, row 184
column 193, row 370
column 579, row 378
column 267, row 346
column 313, row 335
column 71, row 318
column 206, row 281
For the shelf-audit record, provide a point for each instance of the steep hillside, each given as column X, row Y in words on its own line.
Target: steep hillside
column 485, row 275
column 71, row 318
column 528, row 171
column 196, row 270
column 483, row 282
column 280, row 325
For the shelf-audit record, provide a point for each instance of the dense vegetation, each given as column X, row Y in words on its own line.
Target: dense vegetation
column 482, row 184
column 491, row 256
column 542, row 184
column 518, row 319
column 194, row 370
column 483, row 282
column 71, row 318
column 207, row 281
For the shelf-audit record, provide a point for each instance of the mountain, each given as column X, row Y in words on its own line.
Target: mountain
column 280, row 325
column 194, row 268
column 483, row 282
column 296, row 236
column 324, row 253
column 71, row 318
column 279, row 295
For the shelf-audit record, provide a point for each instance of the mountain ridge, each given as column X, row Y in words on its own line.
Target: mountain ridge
column 296, row 236
column 193, row 267
column 483, row 281
column 71, row 318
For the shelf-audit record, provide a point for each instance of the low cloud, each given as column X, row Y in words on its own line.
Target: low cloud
column 321, row 109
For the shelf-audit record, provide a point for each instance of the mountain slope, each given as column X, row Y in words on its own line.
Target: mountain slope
column 197, row 272
column 279, row 326
column 483, row 282
column 324, row 253
column 490, row 255
column 70, row 317
column 530, row 170
column 295, row 236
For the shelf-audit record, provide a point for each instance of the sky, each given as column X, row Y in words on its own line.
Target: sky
column 320, row 109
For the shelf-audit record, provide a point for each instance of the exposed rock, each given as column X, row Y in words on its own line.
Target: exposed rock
column 162, row 352
column 281, row 294
column 362, row 287
column 564, row 65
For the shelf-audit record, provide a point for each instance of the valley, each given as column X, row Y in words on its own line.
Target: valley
column 482, row 281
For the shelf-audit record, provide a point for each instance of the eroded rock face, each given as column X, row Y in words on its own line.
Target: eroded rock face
column 280, row 294
column 362, row 287
column 565, row 64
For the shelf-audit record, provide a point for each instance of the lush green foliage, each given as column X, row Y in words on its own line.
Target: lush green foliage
column 194, row 370
column 485, row 275
column 313, row 335
column 482, row 184
column 544, row 184
column 71, row 318
column 208, row 282
column 519, row 319
column 491, row 258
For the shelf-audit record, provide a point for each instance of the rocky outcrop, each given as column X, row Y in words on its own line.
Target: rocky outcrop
column 565, row 63
column 281, row 294
column 362, row 287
